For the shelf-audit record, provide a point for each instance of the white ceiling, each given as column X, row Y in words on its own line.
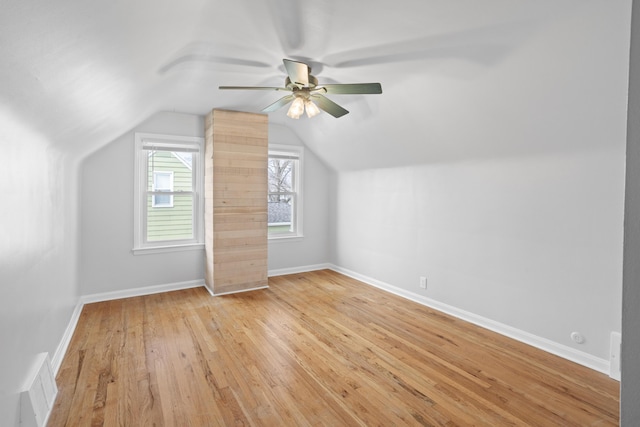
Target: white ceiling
column 461, row 78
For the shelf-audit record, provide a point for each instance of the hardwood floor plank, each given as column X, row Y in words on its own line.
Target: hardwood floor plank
column 314, row 349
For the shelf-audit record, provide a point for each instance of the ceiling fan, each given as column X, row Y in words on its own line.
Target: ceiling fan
column 307, row 95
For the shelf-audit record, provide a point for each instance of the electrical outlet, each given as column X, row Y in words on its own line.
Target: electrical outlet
column 423, row 282
column 577, row 337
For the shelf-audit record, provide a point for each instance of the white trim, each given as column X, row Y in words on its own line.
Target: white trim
column 209, row 290
column 56, row 361
column 238, row 292
column 580, row 357
column 296, row 270
column 615, row 348
column 136, row 292
column 285, row 238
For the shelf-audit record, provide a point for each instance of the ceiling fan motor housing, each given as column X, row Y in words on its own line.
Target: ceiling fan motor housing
column 313, row 82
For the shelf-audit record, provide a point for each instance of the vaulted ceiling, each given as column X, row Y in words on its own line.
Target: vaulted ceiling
column 461, row 79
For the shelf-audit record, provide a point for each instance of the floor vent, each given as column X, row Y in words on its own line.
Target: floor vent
column 40, row 393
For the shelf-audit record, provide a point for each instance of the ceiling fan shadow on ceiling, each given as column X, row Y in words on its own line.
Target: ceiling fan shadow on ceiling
column 307, row 95
column 484, row 46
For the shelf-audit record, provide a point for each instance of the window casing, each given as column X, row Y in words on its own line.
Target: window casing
column 169, row 203
column 285, row 192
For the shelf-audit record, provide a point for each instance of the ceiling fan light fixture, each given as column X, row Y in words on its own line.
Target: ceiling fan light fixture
column 296, row 109
column 303, row 86
column 311, row 108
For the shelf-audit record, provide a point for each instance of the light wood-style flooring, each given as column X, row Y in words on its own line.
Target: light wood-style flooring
column 315, row 349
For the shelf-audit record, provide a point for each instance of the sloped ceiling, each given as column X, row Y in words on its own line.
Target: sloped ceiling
column 460, row 79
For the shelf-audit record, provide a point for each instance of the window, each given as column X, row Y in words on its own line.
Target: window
column 285, row 191
column 162, row 181
column 168, row 198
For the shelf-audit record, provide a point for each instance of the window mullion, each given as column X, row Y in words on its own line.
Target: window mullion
column 181, row 192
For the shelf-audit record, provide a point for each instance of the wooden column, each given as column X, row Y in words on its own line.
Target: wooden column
column 236, row 153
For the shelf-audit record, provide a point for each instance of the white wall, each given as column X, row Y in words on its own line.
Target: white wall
column 506, row 189
column 534, row 243
column 107, row 263
column 38, row 253
column 313, row 249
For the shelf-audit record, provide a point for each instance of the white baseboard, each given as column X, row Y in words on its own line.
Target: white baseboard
column 614, row 355
column 296, row 270
column 582, row 358
column 56, row 361
column 136, row 292
column 238, row 292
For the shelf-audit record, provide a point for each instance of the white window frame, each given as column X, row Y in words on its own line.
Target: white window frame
column 141, row 174
column 296, row 152
column 154, row 202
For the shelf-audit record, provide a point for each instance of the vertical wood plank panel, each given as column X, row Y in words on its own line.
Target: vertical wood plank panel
column 236, row 150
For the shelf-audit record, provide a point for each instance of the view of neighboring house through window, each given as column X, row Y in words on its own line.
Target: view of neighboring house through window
column 162, row 181
column 284, row 198
column 169, row 197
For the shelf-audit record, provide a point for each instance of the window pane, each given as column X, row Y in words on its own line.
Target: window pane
column 162, row 200
column 280, row 175
column 162, row 181
column 280, row 213
column 162, row 164
column 170, row 223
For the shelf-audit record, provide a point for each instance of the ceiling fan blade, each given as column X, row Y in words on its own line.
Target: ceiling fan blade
column 253, row 88
column 205, row 57
column 298, row 72
column 355, row 88
column 329, row 106
column 289, row 23
column 278, row 104
column 485, row 45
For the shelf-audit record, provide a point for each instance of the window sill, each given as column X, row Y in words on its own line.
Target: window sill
column 286, row 238
column 164, row 249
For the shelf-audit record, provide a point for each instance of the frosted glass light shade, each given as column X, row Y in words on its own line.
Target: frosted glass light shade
column 311, row 108
column 296, row 109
